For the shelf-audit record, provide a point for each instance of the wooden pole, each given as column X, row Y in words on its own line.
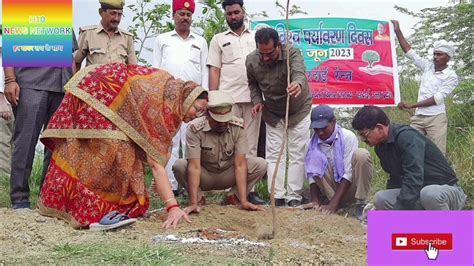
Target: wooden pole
column 285, row 130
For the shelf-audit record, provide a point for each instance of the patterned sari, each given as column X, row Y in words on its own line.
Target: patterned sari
column 111, row 117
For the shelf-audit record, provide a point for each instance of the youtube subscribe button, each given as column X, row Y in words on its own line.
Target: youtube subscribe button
column 421, row 241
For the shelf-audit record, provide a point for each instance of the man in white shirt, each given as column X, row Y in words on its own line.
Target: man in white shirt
column 437, row 82
column 334, row 164
column 227, row 72
column 183, row 54
column 6, row 123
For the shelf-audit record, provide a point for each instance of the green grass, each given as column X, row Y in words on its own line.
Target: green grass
column 34, row 183
column 115, row 253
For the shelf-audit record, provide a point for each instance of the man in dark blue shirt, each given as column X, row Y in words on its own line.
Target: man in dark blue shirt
column 420, row 176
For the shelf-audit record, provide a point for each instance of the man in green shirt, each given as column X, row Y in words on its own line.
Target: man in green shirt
column 267, row 77
column 420, row 176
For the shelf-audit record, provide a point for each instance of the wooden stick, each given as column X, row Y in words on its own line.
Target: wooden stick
column 285, row 130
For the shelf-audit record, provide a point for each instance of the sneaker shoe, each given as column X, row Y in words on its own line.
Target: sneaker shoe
column 365, row 211
column 230, row 200
column 112, row 220
column 21, row 205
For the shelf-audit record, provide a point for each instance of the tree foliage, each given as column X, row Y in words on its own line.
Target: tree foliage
column 212, row 20
column 148, row 21
column 294, row 9
column 452, row 23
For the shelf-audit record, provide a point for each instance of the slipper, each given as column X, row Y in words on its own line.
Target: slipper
column 112, row 220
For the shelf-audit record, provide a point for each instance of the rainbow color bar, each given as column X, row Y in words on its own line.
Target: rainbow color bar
column 37, row 33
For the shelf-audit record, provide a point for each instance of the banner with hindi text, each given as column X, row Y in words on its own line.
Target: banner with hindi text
column 348, row 61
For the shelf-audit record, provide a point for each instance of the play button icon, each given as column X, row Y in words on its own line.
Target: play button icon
column 401, row 242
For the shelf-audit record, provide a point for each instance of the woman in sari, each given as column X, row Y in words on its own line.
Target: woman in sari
column 113, row 119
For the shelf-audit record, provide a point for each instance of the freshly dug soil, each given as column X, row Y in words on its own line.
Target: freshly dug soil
column 302, row 236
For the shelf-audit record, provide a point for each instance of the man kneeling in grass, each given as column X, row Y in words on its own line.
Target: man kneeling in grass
column 420, row 176
column 335, row 165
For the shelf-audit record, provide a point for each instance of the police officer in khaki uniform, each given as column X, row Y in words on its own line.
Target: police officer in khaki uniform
column 215, row 151
column 106, row 43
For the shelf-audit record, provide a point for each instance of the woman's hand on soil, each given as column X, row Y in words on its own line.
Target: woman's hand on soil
column 174, row 216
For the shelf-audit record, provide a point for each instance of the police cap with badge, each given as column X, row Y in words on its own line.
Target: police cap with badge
column 112, row 4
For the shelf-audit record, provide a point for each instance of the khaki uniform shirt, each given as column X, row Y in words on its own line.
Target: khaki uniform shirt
column 271, row 82
column 96, row 45
column 228, row 52
column 216, row 151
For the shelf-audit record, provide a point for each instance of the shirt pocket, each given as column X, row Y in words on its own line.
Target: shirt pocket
column 228, row 53
column 97, row 55
column 208, row 154
column 195, row 57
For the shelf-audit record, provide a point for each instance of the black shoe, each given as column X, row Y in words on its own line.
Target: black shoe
column 22, row 205
column 280, row 202
column 179, row 192
column 305, row 200
column 360, row 210
column 294, row 203
column 255, row 199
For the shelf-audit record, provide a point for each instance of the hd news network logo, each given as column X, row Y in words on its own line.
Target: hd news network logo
column 413, row 241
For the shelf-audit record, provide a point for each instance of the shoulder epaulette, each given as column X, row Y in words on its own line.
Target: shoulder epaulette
column 237, row 121
column 197, row 124
column 125, row 32
column 92, row 27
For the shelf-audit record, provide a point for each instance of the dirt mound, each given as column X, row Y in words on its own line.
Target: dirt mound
column 231, row 235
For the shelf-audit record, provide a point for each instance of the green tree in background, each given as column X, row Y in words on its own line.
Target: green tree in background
column 294, row 9
column 148, row 21
column 453, row 23
column 212, row 20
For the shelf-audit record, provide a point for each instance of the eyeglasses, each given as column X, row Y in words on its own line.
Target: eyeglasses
column 365, row 134
column 269, row 54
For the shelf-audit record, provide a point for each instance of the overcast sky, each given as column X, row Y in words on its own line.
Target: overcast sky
column 85, row 12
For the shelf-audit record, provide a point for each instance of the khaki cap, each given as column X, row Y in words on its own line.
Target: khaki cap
column 118, row 4
column 220, row 106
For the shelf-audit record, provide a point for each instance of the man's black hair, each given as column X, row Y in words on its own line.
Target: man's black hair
column 368, row 117
column 264, row 35
column 232, row 2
